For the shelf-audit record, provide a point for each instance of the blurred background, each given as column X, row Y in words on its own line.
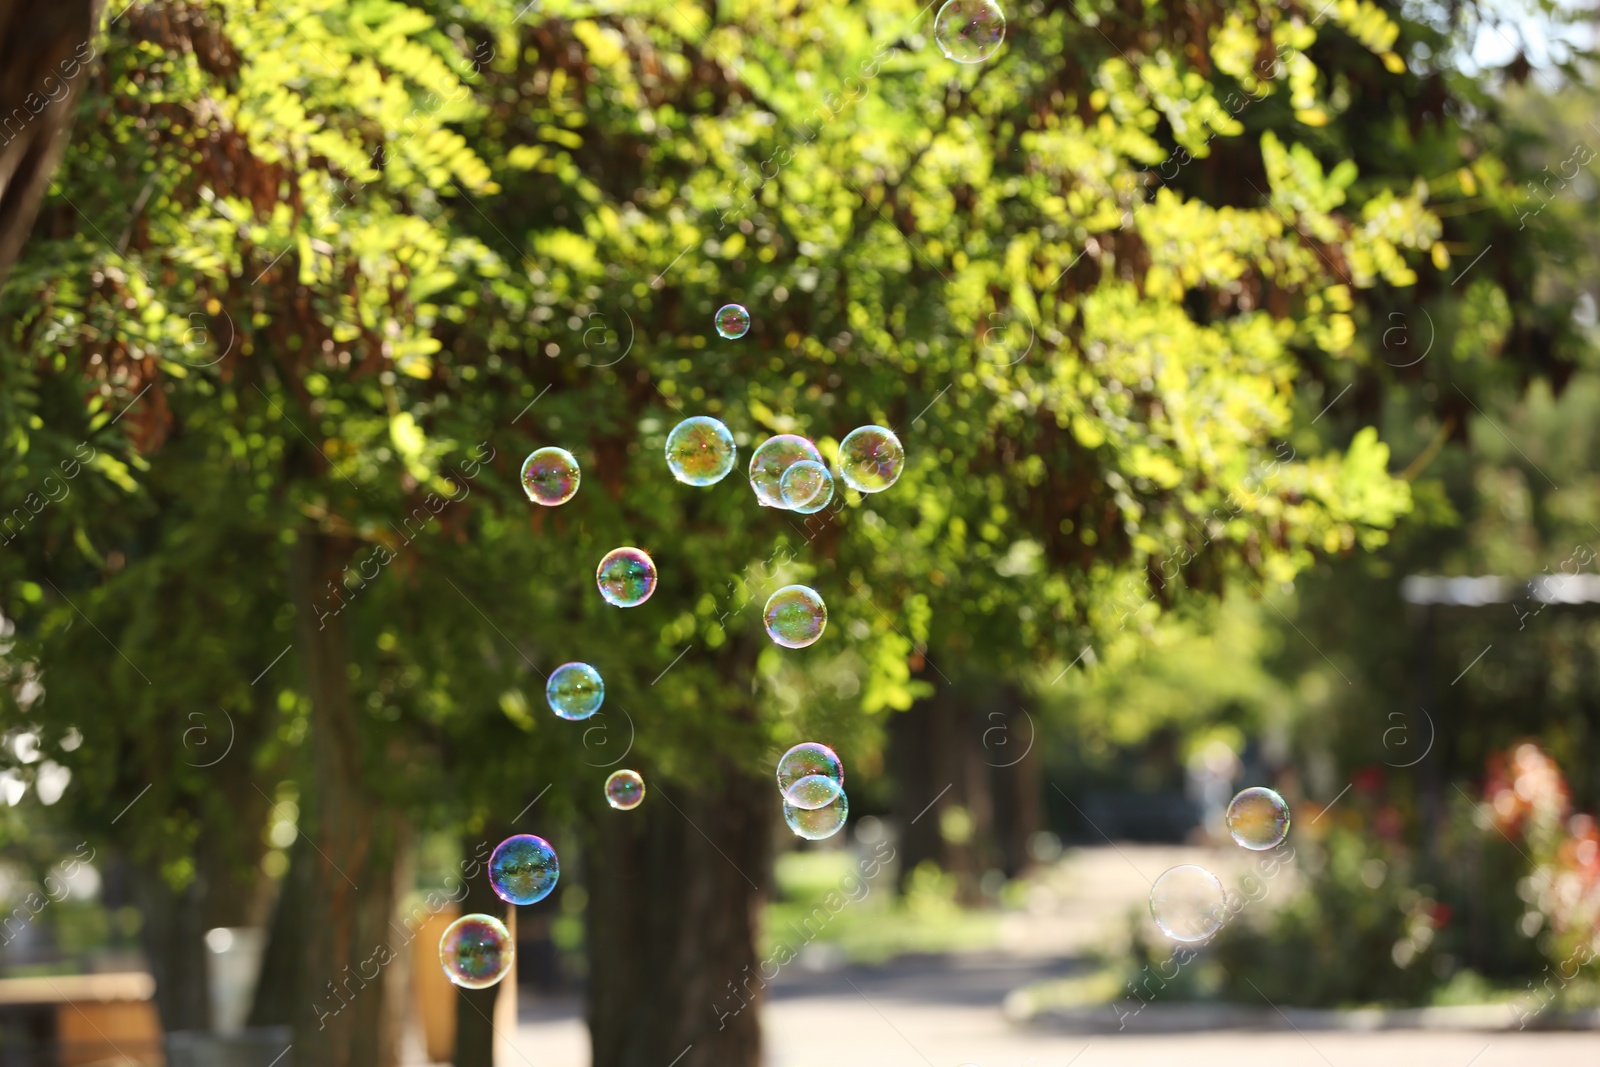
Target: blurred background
column 1244, row 358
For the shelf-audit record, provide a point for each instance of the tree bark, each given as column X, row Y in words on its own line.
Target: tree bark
column 280, row 986
column 45, row 49
column 675, row 892
column 346, row 1019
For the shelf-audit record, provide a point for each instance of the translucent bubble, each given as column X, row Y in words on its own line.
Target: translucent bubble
column 969, row 31
column 1258, row 818
column 801, row 483
column 814, row 824
column 575, row 691
column 813, row 791
column 1188, row 903
column 550, row 476
column 805, row 761
column 476, row 951
column 627, row 577
column 870, row 458
column 795, row 616
column 823, row 498
column 523, row 869
column 700, row 451
column 624, row 790
column 772, row 459
column 733, row 321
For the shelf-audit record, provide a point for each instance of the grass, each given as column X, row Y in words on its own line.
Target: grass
column 823, row 899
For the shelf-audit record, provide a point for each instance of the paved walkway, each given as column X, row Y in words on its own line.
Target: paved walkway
column 946, row 1011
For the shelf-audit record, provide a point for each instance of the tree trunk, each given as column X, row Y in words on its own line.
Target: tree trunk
column 675, row 891
column 280, row 986
column 475, row 1007
column 174, row 934
column 346, row 1020
column 45, row 49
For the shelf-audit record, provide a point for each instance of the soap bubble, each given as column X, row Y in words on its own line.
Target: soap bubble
column 795, row 616
column 814, row 824
column 806, row 761
column 550, row 476
column 575, row 691
column 624, row 790
column 969, row 31
column 700, row 451
column 870, row 458
column 733, row 321
column 801, row 483
column 476, row 951
column 772, row 459
column 823, row 498
column 626, row 576
column 523, row 869
column 1258, row 818
column 1188, row 903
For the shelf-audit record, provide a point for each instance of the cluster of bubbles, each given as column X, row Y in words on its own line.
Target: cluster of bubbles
column 786, row 471
column 969, row 31
column 811, row 782
column 1188, row 902
column 476, row 950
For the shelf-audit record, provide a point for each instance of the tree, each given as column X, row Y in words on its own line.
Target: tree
column 376, row 254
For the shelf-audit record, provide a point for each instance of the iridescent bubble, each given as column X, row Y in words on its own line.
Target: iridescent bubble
column 624, row 790
column 733, row 321
column 1258, row 818
column 823, row 498
column 476, row 951
column 795, row 616
column 870, row 458
column 814, row 824
column 700, row 451
column 804, row 762
column 626, row 576
column 1188, row 903
column 575, row 691
column 969, row 31
column 801, row 483
column 523, row 869
column 550, row 476
column 772, row 459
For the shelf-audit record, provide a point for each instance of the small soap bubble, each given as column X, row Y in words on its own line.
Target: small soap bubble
column 823, row 498
column 700, row 451
column 575, row 691
column 624, row 790
column 550, row 476
column 801, row 483
column 800, row 765
column 476, row 951
column 626, row 577
column 733, row 321
column 523, row 869
column 870, row 458
column 795, row 616
column 772, row 459
column 969, row 31
column 1188, row 903
column 815, row 824
column 1258, row 818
